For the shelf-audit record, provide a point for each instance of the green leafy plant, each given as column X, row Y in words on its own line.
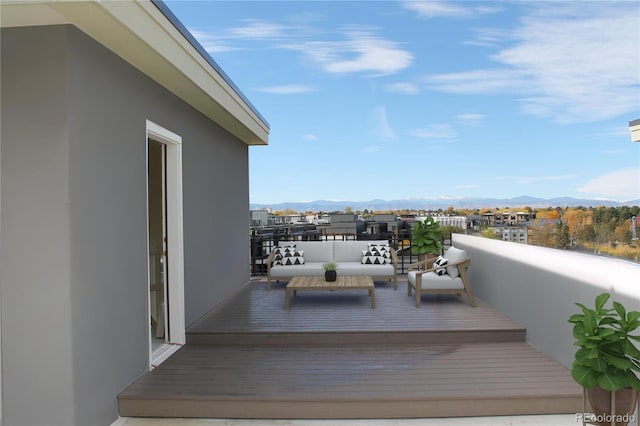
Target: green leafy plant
column 607, row 355
column 331, row 266
column 426, row 237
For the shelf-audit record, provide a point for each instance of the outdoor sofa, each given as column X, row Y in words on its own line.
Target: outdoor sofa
column 356, row 258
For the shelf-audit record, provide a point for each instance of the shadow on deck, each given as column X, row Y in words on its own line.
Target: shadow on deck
column 332, row 356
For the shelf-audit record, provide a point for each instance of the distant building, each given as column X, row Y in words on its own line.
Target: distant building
column 382, row 224
column 262, row 217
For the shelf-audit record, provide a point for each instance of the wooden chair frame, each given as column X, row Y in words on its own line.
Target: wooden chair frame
column 427, row 266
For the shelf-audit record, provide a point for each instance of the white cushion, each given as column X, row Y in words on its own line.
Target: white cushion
column 437, row 282
column 357, row 268
column 316, row 251
column 306, row 270
column 348, row 251
column 454, row 255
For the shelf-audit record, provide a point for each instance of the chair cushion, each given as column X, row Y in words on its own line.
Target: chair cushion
column 454, row 255
column 431, row 280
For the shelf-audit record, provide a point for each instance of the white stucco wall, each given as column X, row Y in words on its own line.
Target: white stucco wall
column 538, row 287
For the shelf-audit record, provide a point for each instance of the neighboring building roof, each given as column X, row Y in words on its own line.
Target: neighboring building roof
column 149, row 37
column 634, row 128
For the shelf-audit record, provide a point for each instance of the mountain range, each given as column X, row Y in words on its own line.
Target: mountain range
column 442, row 203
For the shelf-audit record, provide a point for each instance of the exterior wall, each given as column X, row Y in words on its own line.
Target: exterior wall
column 74, row 265
column 538, row 287
column 35, row 298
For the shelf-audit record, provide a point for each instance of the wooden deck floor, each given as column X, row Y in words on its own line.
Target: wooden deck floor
column 258, row 316
column 332, row 356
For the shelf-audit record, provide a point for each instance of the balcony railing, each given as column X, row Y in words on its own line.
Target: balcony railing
column 263, row 244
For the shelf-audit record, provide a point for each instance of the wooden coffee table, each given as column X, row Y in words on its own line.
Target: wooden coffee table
column 342, row 283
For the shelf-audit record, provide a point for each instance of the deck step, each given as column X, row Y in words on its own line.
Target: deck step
column 516, row 334
column 258, row 316
column 354, row 381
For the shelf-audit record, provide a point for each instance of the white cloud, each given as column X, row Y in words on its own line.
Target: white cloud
column 487, row 37
column 258, row 30
column 380, row 124
column 471, row 119
column 443, row 9
column 225, row 40
column 372, row 149
column 435, row 131
column 210, row 43
column 403, row 88
column 289, row 89
column 480, row 82
column 569, row 67
column 623, row 185
column 310, row 137
column 362, row 51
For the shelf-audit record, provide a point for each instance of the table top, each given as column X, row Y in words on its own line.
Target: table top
column 342, row 282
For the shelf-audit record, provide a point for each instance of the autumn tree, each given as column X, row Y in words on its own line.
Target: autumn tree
column 562, row 238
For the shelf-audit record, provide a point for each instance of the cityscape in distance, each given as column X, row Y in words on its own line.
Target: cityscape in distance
column 442, row 203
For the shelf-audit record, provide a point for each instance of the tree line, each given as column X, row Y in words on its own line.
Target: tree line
column 605, row 230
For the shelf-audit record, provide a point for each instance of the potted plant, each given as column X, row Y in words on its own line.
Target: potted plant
column 426, row 238
column 607, row 359
column 330, row 273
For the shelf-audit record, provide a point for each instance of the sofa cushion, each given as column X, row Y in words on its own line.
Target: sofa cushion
column 357, row 268
column 454, row 255
column 309, row 269
column 316, row 251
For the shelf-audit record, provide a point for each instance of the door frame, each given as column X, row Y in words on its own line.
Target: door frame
column 175, row 243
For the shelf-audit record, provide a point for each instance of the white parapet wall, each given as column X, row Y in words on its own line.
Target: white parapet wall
column 538, row 287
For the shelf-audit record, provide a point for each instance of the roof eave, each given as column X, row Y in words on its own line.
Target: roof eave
column 144, row 36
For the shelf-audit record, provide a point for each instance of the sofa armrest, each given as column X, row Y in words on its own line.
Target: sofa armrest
column 269, row 262
column 394, row 256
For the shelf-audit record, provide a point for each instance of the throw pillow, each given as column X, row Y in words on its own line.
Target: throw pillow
column 294, row 259
column 454, row 255
column 380, row 257
column 282, row 252
column 374, row 260
column 380, row 250
column 440, row 261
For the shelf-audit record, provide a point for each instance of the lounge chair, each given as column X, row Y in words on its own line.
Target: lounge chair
column 450, row 278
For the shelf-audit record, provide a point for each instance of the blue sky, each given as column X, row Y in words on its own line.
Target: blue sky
column 439, row 99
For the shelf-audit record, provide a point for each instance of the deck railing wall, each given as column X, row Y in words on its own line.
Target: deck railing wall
column 538, row 287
